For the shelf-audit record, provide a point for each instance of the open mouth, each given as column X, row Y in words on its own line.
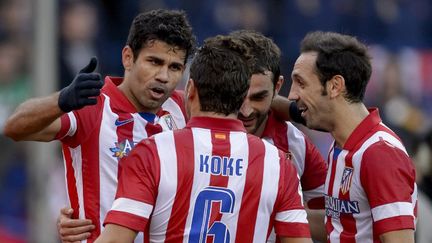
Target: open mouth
column 302, row 110
column 157, row 92
column 247, row 122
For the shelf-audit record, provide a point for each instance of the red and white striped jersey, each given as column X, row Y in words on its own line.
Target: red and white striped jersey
column 95, row 138
column 210, row 180
column 308, row 161
column 370, row 185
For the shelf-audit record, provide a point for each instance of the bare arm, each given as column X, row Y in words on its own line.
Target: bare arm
column 316, row 224
column 280, row 106
column 36, row 119
column 116, row 234
column 295, row 240
column 399, row 236
column 286, row 110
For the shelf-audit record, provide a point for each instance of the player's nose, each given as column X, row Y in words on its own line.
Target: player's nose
column 246, row 109
column 162, row 74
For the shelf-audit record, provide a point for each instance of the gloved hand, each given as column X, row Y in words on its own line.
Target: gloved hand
column 295, row 114
column 83, row 90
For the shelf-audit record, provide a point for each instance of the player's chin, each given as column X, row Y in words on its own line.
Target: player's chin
column 160, row 100
column 152, row 104
column 250, row 127
column 315, row 125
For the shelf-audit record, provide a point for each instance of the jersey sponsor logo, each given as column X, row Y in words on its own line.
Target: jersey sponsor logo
column 334, row 207
column 122, row 148
column 217, row 165
column 167, row 122
column 119, row 122
column 346, row 179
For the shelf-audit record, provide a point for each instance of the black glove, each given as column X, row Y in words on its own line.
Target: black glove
column 83, row 90
column 295, row 114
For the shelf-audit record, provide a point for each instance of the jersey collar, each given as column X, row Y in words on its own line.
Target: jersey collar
column 364, row 128
column 118, row 100
column 216, row 123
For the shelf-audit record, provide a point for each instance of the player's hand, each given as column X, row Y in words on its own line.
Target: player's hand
column 73, row 230
column 83, row 90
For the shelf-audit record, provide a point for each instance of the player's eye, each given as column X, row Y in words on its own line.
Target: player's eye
column 176, row 67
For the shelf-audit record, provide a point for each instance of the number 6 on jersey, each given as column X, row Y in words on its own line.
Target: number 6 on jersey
column 201, row 215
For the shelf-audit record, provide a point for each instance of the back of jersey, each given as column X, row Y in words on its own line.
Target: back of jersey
column 228, row 184
column 219, row 183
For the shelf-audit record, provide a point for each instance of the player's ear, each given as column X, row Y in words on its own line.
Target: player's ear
column 127, row 58
column 336, row 86
column 279, row 84
column 190, row 89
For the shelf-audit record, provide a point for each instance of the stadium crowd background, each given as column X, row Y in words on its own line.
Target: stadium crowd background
column 398, row 31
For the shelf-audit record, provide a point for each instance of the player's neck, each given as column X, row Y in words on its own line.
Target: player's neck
column 213, row 115
column 347, row 118
column 125, row 89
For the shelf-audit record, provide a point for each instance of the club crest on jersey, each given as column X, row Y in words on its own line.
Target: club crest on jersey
column 122, row 148
column 346, row 179
column 167, row 122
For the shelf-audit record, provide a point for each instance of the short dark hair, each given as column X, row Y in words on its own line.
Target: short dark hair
column 221, row 74
column 169, row 26
column 343, row 55
column 265, row 52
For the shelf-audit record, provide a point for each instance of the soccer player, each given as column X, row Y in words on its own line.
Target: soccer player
column 210, row 180
column 265, row 84
column 258, row 119
column 370, row 186
column 98, row 127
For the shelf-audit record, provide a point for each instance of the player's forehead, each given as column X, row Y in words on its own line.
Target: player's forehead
column 261, row 81
column 305, row 65
column 163, row 50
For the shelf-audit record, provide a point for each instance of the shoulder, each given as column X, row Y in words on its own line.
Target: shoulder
column 384, row 160
column 295, row 136
column 384, row 152
column 145, row 145
column 383, row 146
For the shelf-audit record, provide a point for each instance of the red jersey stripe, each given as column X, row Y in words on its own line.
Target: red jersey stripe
column 250, row 200
column 91, row 183
column 185, row 168
column 72, row 190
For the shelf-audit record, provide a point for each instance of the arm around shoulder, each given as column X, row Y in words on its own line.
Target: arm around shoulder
column 287, row 110
column 36, row 119
column 281, row 107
